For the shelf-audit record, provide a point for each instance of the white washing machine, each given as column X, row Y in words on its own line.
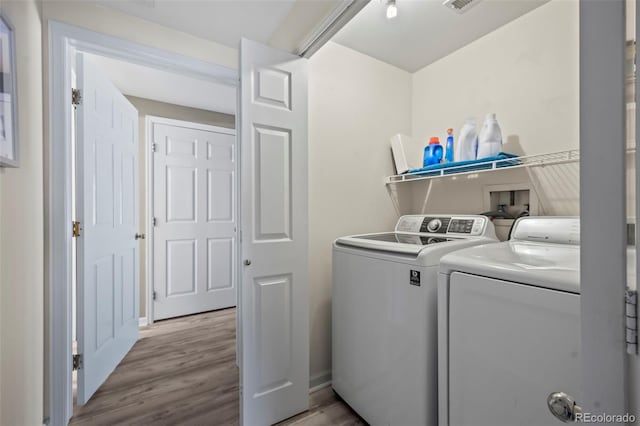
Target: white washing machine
column 384, row 330
column 509, row 326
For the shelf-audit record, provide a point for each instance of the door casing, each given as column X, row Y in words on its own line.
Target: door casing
column 65, row 39
column 603, row 216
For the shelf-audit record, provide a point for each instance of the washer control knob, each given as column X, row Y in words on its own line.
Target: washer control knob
column 434, row 225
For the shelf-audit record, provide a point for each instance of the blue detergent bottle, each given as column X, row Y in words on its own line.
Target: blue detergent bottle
column 433, row 152
column 448, row 157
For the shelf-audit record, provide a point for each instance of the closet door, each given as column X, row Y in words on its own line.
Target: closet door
column 194, row 237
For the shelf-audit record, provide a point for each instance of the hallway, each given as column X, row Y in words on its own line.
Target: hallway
column 182, row 371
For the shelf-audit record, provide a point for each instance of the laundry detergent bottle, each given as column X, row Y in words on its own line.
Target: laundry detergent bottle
column 433, row 152
column 467, row 144
column 490, row 139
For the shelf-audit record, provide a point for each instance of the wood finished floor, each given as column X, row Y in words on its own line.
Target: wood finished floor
column 182, row 372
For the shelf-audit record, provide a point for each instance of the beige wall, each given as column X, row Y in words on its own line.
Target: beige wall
column 21, row 228
column 528, row 73
column 147, row 107
column 356, row 103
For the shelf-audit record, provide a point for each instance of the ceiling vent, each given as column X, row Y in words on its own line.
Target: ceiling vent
column 460, row 6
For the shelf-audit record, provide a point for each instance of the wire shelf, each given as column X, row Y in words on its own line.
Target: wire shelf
column 539, row 160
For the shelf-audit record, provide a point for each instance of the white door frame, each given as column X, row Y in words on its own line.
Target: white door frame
column 63, row 40
column 603, row 216
column 150, row 120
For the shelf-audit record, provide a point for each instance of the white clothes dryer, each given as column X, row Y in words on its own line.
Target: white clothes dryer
column 509, row 326
column 384, row 330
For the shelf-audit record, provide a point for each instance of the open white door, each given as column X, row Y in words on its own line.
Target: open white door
column 107, row 141
column 274, row 368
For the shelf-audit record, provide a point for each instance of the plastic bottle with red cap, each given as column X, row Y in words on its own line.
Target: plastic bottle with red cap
column 433, row 152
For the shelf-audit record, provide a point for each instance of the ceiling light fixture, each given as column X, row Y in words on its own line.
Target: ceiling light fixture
column 392, row 9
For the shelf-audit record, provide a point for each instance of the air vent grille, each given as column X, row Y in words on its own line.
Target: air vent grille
column 460, row 6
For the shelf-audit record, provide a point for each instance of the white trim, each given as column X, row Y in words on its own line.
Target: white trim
column 191, row 125
column 142, row 322
column 62, row 39
column 148, row 200
column 148, row 123
column 329, row 26
column 603, row 243
column 125, row 50
column 320, row 381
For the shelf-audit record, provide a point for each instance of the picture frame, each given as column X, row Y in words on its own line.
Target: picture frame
column 9, row 147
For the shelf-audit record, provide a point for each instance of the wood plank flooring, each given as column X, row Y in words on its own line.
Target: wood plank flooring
column 182, row 371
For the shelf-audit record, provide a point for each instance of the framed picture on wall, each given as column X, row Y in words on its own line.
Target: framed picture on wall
column 8, row 98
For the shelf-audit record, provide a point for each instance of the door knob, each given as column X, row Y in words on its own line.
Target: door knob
column 563, row 407
column 247, row 262
column 140, row 237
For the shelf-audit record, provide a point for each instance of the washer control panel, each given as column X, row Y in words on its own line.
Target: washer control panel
column 455, row 225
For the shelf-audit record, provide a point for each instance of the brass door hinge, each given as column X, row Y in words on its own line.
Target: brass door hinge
column 77, row 362
column 76, row 97
column 76, row 229
column 631, row 319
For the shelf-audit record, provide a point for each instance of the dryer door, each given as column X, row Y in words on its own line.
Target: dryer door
column 510, row 345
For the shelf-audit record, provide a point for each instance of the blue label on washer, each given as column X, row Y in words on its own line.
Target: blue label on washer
column 414, row 278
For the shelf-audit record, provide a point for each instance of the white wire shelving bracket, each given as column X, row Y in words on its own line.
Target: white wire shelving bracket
column 539, row 160
column 560, row 157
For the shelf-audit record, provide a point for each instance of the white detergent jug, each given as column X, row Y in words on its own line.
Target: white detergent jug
column 465, row 148
column 490, row 139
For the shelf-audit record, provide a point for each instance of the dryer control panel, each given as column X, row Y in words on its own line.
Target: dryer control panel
column 444, row 224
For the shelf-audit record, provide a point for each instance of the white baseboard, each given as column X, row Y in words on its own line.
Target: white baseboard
column 319, row 381
column 143, row 321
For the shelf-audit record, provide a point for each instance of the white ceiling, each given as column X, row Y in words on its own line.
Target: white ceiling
column 425, row 30
column 222, row 21
column 150, row 83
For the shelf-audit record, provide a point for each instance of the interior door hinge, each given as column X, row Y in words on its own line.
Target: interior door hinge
column 76, row 97
column 154, row 221
column 154, row 147
column 75, row 226
column 631, row 317
column 155, row 296
column 77, row 362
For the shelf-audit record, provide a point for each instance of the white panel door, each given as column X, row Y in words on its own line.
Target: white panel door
column 107, row 149
column 194, row 203
column 274, row 303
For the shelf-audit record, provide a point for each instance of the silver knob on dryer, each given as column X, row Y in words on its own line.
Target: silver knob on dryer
column 563, row 407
